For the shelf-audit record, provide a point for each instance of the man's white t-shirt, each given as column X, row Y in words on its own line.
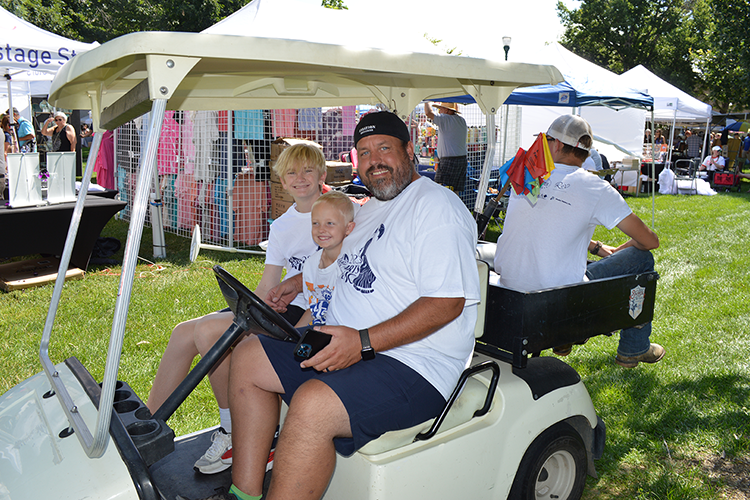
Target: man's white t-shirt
column 544, row 244
column 290, row 243
column 420, row 244
column 451, row 135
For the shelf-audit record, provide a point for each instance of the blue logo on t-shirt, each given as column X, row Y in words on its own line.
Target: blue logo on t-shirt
column 356, row 270
column 296, row 263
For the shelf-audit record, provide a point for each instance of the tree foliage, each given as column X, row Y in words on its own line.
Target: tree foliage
column 725, row 60
column 103, row 20
column 621, row 34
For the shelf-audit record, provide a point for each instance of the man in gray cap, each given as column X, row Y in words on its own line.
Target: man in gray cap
column 407, row 337
column 544, row 243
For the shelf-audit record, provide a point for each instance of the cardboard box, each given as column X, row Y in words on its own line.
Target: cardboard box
column 274, row 177
column 338, row 172
column 34, row 272
column 282, row 143
column 279, row 193
column 278, row 208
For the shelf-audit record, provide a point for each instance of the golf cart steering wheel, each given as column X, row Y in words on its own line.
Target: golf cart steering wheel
column 250, row 312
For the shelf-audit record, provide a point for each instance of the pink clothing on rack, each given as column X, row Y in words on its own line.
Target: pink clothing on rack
column 187, row 152
column 105, row 162
column 166, row 156
column 186, row 191
column 251, row 207
column 348, row 120
column 283, row 122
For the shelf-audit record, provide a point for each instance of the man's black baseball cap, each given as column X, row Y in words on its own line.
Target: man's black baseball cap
column 381, row 123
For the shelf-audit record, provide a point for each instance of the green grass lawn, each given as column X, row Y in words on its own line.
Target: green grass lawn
column 679, row 429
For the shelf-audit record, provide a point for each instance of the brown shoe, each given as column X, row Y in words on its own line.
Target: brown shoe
column 653, row 355
column 562, row 350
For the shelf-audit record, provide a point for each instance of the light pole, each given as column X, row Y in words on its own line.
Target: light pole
column 506, row 48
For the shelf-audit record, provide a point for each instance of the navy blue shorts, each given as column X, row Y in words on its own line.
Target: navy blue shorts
column 380, row 395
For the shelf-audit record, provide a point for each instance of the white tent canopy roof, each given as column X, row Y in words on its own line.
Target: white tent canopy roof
column 202, row 71
column 667, row 97
column 311, row 22
column 31, row 53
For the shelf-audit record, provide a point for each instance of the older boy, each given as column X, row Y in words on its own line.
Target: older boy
column 302, row 171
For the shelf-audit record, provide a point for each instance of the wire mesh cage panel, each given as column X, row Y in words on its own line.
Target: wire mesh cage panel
column 214, row 166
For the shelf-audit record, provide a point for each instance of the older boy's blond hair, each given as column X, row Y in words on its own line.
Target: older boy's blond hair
column 338, row 200
column 300, row 155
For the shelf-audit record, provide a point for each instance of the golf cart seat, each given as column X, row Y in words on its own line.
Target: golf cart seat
column 471, row 398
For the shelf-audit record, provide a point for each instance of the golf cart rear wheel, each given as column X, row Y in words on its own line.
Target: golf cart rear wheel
column 554, row 466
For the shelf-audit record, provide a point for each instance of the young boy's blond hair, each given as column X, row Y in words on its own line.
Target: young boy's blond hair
column 340, row 201
column 300, row 154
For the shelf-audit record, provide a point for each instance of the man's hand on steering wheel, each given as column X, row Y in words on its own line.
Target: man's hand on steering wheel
column 344, row 350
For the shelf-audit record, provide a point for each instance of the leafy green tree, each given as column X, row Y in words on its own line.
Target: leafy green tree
column 334, row 4
column 621, row 34
column 50, row 15
column 725, row 61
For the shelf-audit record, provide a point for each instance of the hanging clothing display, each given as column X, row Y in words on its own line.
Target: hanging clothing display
column 166, row 155
column 186, row 191
column 249, row 124
column 251, row 209
column 105, row 161
column 283, row 122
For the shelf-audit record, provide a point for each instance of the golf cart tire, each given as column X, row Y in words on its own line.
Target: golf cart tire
column 554, row 466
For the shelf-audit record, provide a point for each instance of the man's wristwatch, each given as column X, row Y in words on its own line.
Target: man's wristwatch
column 367, row 351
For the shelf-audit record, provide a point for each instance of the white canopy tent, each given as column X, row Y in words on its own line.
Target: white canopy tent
column 308, row 21
column 618, row 130
column 29, row 59
column 670, row 103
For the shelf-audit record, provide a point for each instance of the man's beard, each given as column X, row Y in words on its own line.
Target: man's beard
column 387, row 189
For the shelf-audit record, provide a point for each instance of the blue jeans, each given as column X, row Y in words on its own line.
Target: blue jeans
column 634, row 341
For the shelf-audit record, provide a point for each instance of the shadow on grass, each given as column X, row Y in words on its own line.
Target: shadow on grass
column 665, row 438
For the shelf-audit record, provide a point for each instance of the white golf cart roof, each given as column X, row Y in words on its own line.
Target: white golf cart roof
column 198, row 71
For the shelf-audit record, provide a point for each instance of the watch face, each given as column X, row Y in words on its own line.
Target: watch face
column 368, row 353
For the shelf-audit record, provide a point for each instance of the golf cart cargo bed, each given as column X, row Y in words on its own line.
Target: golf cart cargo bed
column 518, row 324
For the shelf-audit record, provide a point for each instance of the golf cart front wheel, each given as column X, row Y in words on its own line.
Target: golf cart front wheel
column 554, row 466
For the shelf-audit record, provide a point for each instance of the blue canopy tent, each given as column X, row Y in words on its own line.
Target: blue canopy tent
column 603, row 90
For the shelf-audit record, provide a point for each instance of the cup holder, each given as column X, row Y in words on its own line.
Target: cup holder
column 122, row 395
column 125, row 406
column 118, row 385
column 143, row 413
column 142, row 428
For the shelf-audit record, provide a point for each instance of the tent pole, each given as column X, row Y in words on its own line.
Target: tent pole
column 150, row 160
column 489, row 159
column 705, row 139
column 653, row 171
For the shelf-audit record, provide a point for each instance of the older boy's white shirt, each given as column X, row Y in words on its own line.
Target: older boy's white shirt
column 290, row 243
column 420, row 244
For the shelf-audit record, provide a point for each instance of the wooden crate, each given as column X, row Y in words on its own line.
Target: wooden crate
column 34, row 272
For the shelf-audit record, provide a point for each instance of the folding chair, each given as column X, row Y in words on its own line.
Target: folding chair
column 686, row 171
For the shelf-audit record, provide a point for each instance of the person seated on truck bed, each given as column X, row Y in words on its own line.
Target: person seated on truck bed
column 544, row 244
column 406, row 330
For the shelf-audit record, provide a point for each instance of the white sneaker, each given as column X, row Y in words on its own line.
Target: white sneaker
column 211, row 462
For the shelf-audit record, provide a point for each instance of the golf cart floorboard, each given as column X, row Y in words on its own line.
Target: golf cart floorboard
column 174, row 474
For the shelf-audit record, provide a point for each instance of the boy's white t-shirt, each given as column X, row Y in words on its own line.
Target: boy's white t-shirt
column 290, row 243
column 420, row 244
column 318, row 285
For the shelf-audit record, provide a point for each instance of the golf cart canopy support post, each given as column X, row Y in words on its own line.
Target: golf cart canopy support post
column 135, row 73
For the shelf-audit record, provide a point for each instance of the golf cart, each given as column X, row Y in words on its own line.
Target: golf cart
column 517, row 426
